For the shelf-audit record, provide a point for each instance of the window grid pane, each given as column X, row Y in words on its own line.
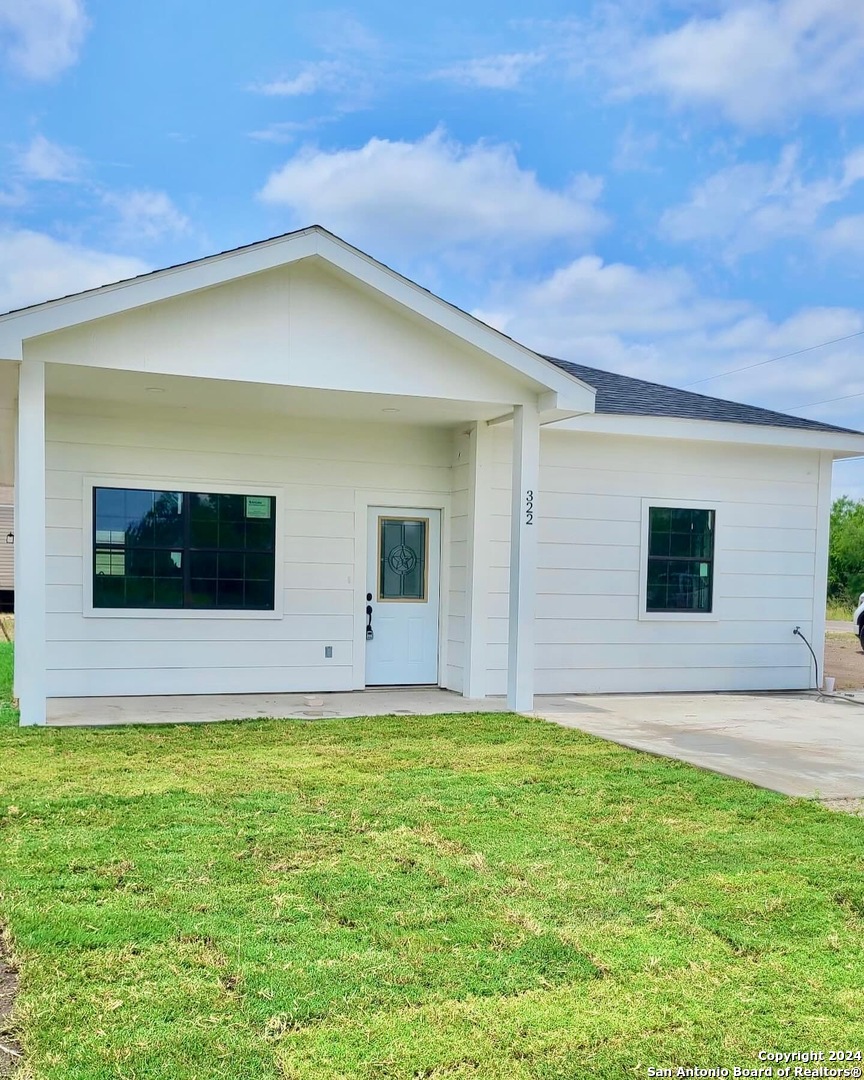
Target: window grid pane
column 161, row 549
column 680, row 559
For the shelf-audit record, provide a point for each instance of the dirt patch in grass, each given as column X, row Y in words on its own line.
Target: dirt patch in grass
column 844, row 660
column 845, row 806
column 10, row 1050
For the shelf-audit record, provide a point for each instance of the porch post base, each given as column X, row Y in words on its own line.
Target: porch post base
column 33, row 711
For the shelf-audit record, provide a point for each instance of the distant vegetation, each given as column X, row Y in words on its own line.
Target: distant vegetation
column 846, row 554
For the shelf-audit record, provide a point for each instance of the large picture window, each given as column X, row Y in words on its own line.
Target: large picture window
column 183, row 549
column 680, row 559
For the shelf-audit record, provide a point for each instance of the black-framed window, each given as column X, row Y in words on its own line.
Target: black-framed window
column 680, row 559
column 183, row 549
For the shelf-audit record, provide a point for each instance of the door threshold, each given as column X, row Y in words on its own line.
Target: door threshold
column 403, row 686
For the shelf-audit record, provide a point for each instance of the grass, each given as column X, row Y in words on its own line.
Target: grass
column 840, row 610
column 480, row 896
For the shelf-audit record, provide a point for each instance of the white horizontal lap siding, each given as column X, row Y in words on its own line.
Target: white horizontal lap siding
column 590, row 637
column 454, row 677
column 314, row 468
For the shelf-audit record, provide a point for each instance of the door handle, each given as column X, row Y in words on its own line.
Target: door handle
column 369, row 632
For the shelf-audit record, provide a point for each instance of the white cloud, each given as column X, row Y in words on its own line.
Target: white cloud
column 45, row 160
column 41, row 38
column 502, row 72
column 432, row 195
column 337, row 31
column 759, row 62
column 14, row 196
column 846, row 234
column 36, row 267
column 635, row 151
column 608, row 314
column 748, row 206
column 286, row 131
column 146, row 215
column 324, row 75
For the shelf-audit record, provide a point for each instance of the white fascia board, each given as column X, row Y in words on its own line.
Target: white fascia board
column 16, row 327
column 661, row 427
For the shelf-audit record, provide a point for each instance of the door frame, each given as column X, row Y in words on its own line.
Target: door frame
column 401, row 500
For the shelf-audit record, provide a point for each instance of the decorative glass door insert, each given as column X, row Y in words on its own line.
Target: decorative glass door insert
column 402, row 559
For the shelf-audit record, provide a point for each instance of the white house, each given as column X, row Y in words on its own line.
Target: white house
column 288, row 468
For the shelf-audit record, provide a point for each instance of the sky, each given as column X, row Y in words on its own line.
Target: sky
column 672, row 189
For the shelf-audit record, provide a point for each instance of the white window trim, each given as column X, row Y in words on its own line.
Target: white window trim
column 173, row 483
column 678, row 616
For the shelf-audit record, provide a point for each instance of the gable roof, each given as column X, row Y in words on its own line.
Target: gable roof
column 624, row 395
column 615, row 394
column 563, row 392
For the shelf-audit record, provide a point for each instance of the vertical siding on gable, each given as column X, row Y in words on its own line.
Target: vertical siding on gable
column 589, row 635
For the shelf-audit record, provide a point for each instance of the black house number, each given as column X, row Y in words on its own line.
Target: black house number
column 529, row 507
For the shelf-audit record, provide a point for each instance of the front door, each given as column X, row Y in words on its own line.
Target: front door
column 402, row 587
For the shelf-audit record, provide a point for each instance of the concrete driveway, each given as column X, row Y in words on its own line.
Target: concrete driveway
column 798, row 744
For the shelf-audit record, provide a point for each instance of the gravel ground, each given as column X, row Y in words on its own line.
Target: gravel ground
column 844, row 660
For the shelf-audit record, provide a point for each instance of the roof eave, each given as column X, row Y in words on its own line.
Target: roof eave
column 841, row 444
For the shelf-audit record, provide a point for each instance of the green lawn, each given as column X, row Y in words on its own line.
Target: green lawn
column 445, row 897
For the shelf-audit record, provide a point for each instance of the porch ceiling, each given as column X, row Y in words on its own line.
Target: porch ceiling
column 83, row 387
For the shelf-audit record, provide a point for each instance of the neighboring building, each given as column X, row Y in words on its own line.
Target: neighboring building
column 7, row 550
column 287, row 468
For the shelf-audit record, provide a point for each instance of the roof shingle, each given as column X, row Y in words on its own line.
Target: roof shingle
column 623, row 395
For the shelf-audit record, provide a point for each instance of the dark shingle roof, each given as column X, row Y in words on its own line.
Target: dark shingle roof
column 626, row 396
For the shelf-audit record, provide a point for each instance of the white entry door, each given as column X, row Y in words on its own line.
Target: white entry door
column 402, row 588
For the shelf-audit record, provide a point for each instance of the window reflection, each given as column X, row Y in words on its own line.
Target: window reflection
column 170, row 549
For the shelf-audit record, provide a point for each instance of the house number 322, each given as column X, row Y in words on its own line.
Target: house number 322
column 529, row 507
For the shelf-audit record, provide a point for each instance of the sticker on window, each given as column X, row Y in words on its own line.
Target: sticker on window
column 257, row 506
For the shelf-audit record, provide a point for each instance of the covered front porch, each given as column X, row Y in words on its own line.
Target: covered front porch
column 314, row 387
column 328, row 458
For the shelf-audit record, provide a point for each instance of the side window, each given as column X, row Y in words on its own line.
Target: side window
column 179, row 549
column 680, row 559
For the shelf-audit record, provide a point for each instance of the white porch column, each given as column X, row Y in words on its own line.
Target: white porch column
column 479, row 515
column 523, row 557
column 30, row 544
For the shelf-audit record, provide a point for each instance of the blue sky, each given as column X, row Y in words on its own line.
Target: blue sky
column 668, row 189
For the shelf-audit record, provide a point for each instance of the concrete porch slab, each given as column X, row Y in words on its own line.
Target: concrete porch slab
column 209, row 708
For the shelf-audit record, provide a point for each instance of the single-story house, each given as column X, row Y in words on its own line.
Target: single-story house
column 286, row 468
